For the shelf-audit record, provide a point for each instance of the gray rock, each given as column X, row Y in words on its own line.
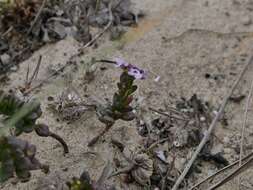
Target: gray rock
column 5, row 58
column 246, row 20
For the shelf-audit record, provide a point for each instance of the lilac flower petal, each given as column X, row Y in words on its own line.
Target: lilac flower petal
column 132, row 70
column 136, row 73
column 121, row 63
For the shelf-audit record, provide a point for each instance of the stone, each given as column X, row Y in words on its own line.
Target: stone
column 246, row 20
column 5, row 58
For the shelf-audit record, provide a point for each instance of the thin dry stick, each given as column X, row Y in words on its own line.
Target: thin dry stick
column 153, row 145
column 122, row 171
column 232, row 175
column 211, row 127
column 168, row 115
column 27, row 76
column 60, row 140
column 7, row 32
column 96, row 138
column 220, row 171
column 245, row 119
column 80, row 51
column 101, row 33
column 36, row 70
column 37, row 16
column 28, row 81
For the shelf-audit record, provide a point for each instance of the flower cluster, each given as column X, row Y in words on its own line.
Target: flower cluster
column 132, row 70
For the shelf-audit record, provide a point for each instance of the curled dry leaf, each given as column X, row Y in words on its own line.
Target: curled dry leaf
column 143, row 170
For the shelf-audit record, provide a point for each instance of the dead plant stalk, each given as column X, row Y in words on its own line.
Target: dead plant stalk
column 211, row 127
column 80, row 51
column 245, row 119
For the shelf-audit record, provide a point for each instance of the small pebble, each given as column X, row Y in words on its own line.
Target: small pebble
column 202, row 119
column 246, row 20
column 5, row 58
column 157, row 79
column 14, row 68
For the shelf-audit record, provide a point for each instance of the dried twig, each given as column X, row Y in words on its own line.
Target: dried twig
column 60, row 140
column 153, row 145
column 36, row 70
column 164, row 179
column 37, row 17
column 233, row 174
column 220, row 171
column 245, row 118
column 96, row 138
column 100, row 33
column 123, row 171
column 7, row 32
column 104, row 175
column 80, row 51
column 28, row 81
column 168, row 115
column 211, row 127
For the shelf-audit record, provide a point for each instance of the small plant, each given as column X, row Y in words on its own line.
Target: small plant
column 18, row 156
column 120, row 108
column 10, row 104
column 84, row 182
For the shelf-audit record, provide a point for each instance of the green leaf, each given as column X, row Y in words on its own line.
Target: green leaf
column 134, row 88
column 6, row 169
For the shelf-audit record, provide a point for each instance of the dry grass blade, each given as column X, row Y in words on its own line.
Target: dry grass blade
column 36, row 70
column 168, row 115
column 80, row 51
column 211, row 127
column 37, row 16
column 232, row 175
column 105, row 173
column 152, row 145
column 220, row 171
column 28, row 82
column 7, row 32
column 244, row 126
column 100, row 33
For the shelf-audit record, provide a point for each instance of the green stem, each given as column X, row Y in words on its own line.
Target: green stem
column 97, row 6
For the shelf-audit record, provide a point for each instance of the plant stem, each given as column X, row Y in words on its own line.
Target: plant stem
column 96, row 138
column 97, row 6
column 60, row 140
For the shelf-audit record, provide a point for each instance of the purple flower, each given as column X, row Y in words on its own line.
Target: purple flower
column 121, row 63
column 131, row 69
column 136, row 72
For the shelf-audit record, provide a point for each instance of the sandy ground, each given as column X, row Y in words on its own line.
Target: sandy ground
column 180, row 41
